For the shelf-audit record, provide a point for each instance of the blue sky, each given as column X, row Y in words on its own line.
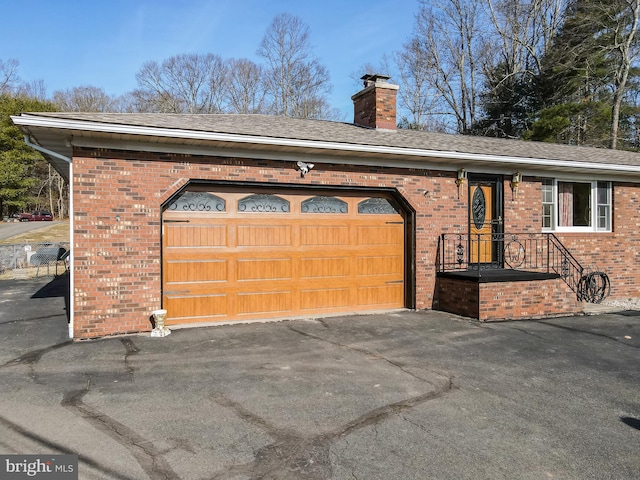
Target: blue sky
column 104, row 43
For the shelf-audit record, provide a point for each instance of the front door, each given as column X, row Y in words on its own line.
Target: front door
column 485, row 219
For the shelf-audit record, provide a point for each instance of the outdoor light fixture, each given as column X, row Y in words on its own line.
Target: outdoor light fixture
column 462, row 175
column 515, row 183
column 304, row 168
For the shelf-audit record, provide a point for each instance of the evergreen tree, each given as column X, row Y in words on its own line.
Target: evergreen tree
column 20, row 165
column 508, row 103
column 586, row 77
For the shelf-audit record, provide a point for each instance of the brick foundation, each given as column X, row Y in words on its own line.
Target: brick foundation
column 506, row 300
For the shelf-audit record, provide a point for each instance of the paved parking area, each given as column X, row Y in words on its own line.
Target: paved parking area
column 404, row 395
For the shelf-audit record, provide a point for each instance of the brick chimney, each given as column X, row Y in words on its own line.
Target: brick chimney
column 375, row 105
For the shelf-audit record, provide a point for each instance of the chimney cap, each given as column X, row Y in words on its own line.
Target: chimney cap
column 373, row 78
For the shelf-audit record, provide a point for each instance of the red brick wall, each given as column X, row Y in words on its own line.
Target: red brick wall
column 117, row 220
column 534, row 299
column 506, row 300
column 461, row 297
column 117, row 263
column 523, row 209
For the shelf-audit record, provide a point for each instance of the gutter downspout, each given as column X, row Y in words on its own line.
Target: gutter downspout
column 45, row 151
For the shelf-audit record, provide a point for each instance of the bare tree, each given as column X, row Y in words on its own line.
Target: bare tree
column 84, row 99
column 625, row 48
column 383, row 66
column 245, row 88
column 35, row 89
column 125, row 103
column 442, row 61
column 187, row 83
column 295, row 80
column 461, row 48
column 524, row 31
column 417, row 97
column 8, row 75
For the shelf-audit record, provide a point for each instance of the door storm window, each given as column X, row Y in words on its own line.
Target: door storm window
column 576, row 206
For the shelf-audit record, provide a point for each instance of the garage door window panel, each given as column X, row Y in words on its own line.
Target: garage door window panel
column 377, row 206
column 325, row 205
column 262, row 203
column 197, row 202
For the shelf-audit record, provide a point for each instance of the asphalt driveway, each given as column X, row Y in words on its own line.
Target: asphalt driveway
column 405, row 395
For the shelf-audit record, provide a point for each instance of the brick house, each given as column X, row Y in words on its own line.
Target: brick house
column 226, row 218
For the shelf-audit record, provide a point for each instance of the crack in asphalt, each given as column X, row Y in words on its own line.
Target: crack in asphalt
column 322, row 322
column 294, row 455
column 145, row 453
column 369, row 353
column 149, row 458
column 130, row 349
column 32, row 358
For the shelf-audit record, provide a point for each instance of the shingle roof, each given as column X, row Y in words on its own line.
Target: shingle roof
column 277, row 127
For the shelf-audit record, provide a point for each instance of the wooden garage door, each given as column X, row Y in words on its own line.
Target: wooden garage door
column 240, row 256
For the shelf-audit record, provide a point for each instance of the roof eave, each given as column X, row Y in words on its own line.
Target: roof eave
column 335, row 150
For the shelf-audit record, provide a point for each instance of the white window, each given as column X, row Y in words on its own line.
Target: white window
column 582, row 206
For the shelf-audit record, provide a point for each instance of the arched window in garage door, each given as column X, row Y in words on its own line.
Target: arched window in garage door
column 378, row 206
column 261, row 203
column 324, row 205
column 197, row 202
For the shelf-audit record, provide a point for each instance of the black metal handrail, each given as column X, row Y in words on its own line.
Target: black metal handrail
column 533, row 252
column 564, row 263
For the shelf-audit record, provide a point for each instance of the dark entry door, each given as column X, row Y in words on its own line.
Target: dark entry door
column 485, row 219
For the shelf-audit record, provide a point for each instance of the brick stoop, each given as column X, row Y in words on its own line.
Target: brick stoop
column 506, row 300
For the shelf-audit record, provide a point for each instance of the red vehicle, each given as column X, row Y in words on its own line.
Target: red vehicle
column 36, row 217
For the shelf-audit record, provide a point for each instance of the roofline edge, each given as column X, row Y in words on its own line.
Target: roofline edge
column 30, row 120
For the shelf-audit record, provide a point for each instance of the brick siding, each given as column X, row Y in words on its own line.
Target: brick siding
column 507, row 300
column 117, row 225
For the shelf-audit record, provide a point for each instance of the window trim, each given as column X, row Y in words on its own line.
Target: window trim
column 593, row 228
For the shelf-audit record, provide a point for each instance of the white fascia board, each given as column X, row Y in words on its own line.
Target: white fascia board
column 119, row 129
